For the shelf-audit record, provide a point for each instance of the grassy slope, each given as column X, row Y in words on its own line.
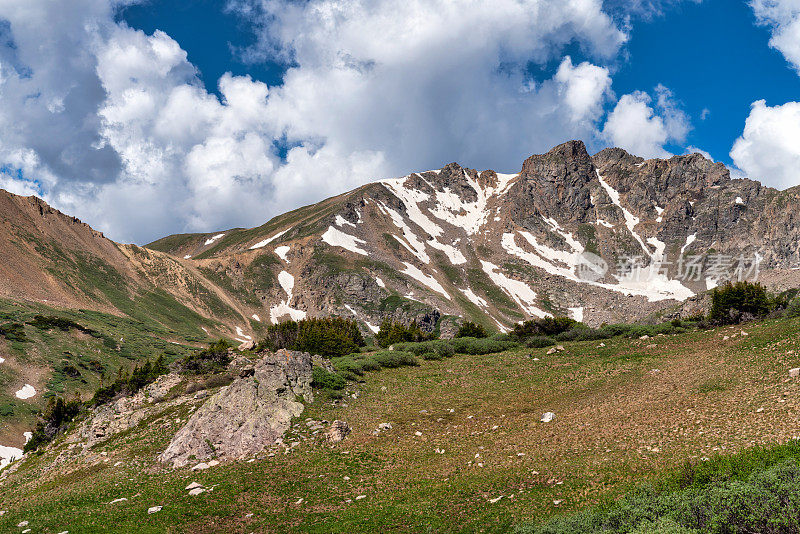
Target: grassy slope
column 617, row 422
column 118, row 342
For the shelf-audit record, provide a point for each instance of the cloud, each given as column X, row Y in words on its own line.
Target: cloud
column 643, row 129
column 696, row 150
column 114, row 125
column 783, row 17
column 769, row 148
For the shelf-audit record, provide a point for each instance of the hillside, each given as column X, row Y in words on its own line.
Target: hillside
column 466, row 450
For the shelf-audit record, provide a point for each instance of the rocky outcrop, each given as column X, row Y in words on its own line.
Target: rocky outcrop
column 127, row 412
column 249, row 414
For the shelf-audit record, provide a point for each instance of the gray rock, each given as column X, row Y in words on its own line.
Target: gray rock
column 339, row 430
column 249, row 414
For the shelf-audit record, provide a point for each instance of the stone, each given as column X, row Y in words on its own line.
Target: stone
column 338, row 431
column 247, row 415
column 794, row 373
column 547, row 417
column 248, row 345
column 552, row 350
column 154, row 509
column 193, row 485
column 121, row 499
column 197, row 491
column 202, row 466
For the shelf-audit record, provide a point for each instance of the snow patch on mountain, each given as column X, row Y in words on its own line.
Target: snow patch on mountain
column 215, row 238
column 26, row 392
column 522, row 294
column 473, row 298
column 341, row 221
column 424, row 279
column 269, row 240
column 337, row 238
column 282, row 251
column 286, row 281
column 409, row 240
column 630, row 219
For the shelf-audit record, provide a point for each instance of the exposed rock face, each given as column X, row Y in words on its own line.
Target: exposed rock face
column 249, row 414
column 127, row 412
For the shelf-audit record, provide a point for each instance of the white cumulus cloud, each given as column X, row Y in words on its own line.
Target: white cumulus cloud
column 769, row 148
column 783, row 17
column 642, row 127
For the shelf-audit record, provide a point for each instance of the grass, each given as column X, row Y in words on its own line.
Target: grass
column 626, row 412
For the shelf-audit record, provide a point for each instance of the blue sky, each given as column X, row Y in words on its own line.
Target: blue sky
column 150, row 117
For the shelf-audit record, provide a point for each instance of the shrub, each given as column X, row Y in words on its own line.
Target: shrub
column 326, row 336
column 49, row 322
column 54, row 420
column 443, row 348
column 13, row 332
column 214, row 359
column 126, row 385
column 354, row 366
column 323, row 379
column 432, row 356
column 539, row 342
column 734, row 303
column 793, row 309
column 392, row 359
column 753, row 491
column 469, row 329
column 547, row 326
column 474, row 346
column 391, row 333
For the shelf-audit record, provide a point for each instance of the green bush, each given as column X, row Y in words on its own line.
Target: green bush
column 13, row 332
column 326, row 336
column 734, row 303
column 474, row 346
column 539, row 342
column 54, row 420
column 354, row 366
column 547, row 326
column 126, row 385
column 432, row 356
column 214, row 359
column 469, row 329
column 391, row 333
column 49, row 322
column 392, row 359
column 324, row 379
column 443, row 348
column 793, row 309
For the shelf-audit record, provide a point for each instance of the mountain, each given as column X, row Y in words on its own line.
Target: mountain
column 499, row 248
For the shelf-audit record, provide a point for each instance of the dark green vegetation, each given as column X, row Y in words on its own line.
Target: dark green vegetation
column 54, row 420
column 392, row 332
column 757, row 490
column 743, row 301
column 469, row 329
column 214, row 359
column 130, row 384
column 326, row 336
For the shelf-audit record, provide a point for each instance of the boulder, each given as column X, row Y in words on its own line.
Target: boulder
column 794, row 373
column 339, row 430
column 249, row 414
column 547, row 417
column 248, row 345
